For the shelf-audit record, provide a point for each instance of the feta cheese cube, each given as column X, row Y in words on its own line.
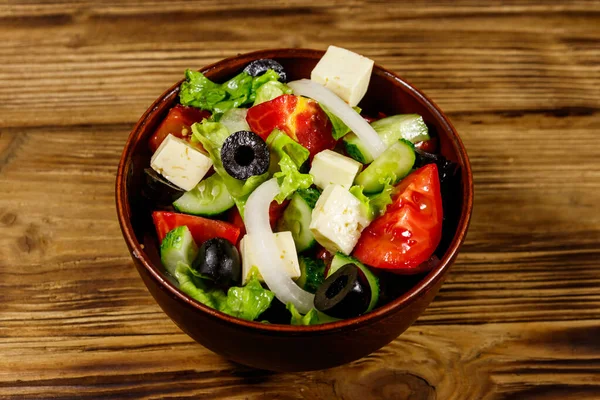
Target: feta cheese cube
column 338, row 219
column 330, row 167
column 180, row 163
column 345, row 73
column 287, row 251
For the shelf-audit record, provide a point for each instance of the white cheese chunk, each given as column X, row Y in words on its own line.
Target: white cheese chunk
column 286, row 250
column 338, row 219
column 345, row 73
column 180, row 163
column 329, row 167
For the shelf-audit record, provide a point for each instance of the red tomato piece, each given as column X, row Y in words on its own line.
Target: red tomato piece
column 407, row 234
column 178, row 123
column 265, row 117
column 276, row 211
column 234, row 218
column 300, row 118
column 430, row 146
column 201, row 228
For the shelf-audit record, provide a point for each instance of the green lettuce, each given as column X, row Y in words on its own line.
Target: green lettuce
column 290, row 179
column 310, row 318
column 212, row 135
column 282, row 145
column 271, row 90
column 199, row 91
column 313, row 317
column 290, row 156
column 246, row 302
column 375, row 204
column 339, row 128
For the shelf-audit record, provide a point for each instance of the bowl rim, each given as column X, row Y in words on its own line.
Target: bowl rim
column 412, row 295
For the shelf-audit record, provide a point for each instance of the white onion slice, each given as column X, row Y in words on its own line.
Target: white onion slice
column 261, row 238
column 356, row 123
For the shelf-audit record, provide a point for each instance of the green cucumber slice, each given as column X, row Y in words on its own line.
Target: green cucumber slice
column 297, row 216
column 312, row 273
column 178, row 246
column 410, row 127
column 391, row 166
column 209, row 197
column 340, row 259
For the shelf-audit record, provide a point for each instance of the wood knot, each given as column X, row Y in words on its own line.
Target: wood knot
column 386, row 384
column 8, row 219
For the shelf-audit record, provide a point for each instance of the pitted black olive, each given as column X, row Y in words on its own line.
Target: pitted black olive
column 245, row 154
column 259, row 67
column 344, row 294
column 219, row 261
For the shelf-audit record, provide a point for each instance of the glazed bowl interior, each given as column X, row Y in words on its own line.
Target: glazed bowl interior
column 387, row 93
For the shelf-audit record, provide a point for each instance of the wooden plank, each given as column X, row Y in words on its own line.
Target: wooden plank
column 509, row 361
column 102, row 64
column 518, row 315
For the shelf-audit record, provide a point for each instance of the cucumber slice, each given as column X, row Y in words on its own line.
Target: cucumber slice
column 178, row 246
column 340, row 259
column 297, row 216
column 410, row 127
column 312, row 273
column 209, row 197
column 394, row 164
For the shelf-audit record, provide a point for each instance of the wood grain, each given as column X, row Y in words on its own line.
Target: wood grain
column 518, row 317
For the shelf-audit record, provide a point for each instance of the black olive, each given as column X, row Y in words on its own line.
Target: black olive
column 344, row 294
column 259, row 67
column 245, row 154
column 159, row 190
column 219, row 261
column 446, row 168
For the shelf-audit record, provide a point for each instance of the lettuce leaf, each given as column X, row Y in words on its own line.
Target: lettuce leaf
column 313, row 317
column 271, row 90
column 246, row 302
column 310, row 318
column 212, row 135
column 375, row 204
column 199, row 91
column 339, row 129
column 281, row 145
column 194, row 287
column 290, row 156
column 290, row 179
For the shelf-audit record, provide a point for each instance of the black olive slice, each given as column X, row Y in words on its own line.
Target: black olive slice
column 245, row 154
column 344, row 294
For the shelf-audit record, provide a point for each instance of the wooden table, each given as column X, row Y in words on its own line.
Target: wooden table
column 519, row 317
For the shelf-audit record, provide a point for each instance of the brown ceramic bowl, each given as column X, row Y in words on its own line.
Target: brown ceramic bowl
column 286, row 347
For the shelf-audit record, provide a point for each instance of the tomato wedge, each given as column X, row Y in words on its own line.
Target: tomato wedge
column 300, row 118
column 407, row 234
column 178, row 123
column 201, row 228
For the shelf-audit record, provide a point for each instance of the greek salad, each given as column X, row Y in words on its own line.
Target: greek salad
column 280, row 198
